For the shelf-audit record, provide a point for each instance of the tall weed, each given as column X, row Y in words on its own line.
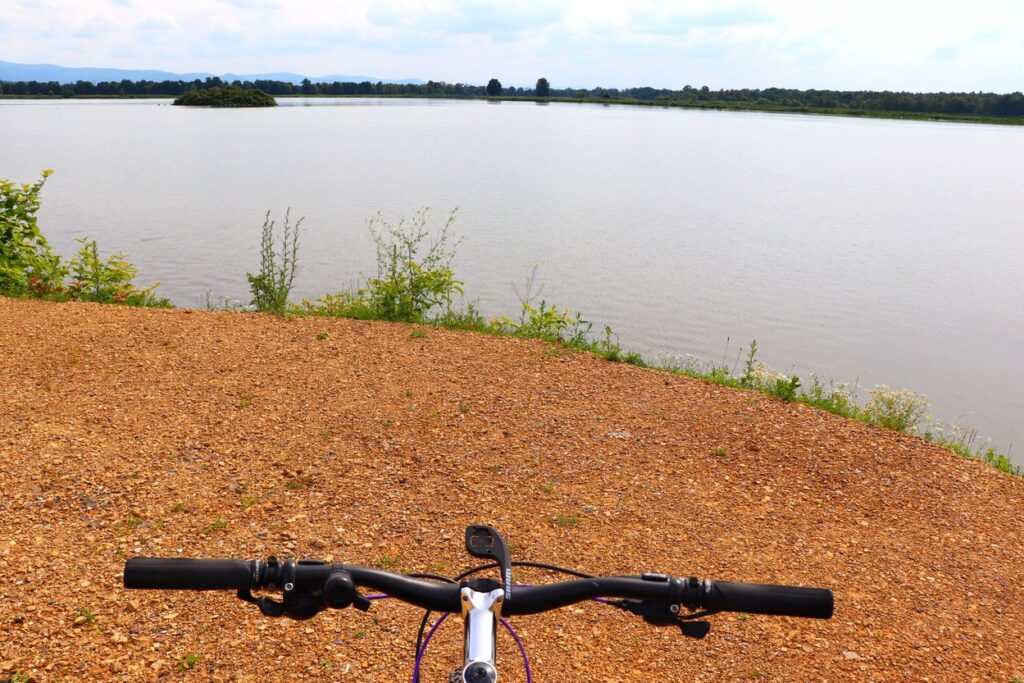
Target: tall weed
column 272, row 284
column 414, row 273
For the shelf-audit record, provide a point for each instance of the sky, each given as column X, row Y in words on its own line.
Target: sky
column 934, row 45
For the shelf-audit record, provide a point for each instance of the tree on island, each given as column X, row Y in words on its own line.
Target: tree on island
column 227, row 96
column 543, row 88
column 493, row 87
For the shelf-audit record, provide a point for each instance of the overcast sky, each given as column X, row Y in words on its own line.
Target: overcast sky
column 869, row 44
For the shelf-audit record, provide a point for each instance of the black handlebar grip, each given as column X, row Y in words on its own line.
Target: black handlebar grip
column 182, row 574
column 756, row 598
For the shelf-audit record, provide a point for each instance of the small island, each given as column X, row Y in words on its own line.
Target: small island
column 226, row 96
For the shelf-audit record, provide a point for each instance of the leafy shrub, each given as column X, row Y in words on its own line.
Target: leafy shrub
column 836, row 398
column 544, row 321
column 468, row 318
column 271, row 286
column 27, row 264
column 28, row 267
column 541, row 320
column 785, row 388
column 414, row 274
column 343, row 304
column 895, row 409
column 414, row 277
column 107, row 280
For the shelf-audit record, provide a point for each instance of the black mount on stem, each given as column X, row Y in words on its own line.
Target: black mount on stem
column 486, row 543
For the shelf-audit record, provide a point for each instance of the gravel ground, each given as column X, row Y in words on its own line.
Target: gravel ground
column 178, row 433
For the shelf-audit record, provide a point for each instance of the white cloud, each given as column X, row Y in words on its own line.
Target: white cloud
column 800, row 43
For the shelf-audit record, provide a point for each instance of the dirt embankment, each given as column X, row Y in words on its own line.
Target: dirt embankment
column 174, row 433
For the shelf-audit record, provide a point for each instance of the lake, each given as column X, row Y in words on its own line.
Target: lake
column 868, row 251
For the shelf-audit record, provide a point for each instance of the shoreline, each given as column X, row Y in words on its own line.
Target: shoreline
column 705, row 106
column 891, row 410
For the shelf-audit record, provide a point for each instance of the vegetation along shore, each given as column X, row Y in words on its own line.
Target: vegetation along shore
column 975, row 107
column 415, row 283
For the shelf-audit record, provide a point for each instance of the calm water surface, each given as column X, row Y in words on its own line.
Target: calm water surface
column 869, row 251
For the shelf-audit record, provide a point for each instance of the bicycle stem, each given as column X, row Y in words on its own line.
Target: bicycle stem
column 480, row 613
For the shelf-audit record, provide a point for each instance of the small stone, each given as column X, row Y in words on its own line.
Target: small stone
column 849, row 655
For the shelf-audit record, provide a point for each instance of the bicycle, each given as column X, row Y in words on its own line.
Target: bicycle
column 311, row 586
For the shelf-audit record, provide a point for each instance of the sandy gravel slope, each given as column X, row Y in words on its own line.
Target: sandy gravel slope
column 170, row 433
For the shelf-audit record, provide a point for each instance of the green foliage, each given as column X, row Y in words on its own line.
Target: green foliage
column 747, row 379
column 216, row 525
column 27, row 265
column 543, row 88
column 899, row 410
column 836, row 398
column 189, row 661
column 545, row 321
column 226, row 96
column 468, row 318
column 957, row 106
column 388, row 561
column 343, row 304
column 271, row 286
column 785, row 388
column 414, row 274
column 962, row 441
column 991, row 456
column 567, row 521
column 409, row 287
column 86, row 615
column 107, row 280
column 541, row 320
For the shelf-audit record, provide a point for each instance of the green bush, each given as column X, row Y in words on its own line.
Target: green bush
column 895, row 409
column 414, row 274
column 414, row 283
column 27, row 264
column 28, row 267
column 271, row 286
column 107, row 280
column 541, row 320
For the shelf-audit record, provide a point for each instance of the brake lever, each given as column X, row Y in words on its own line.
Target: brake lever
column 298, row 606
column 664, row 614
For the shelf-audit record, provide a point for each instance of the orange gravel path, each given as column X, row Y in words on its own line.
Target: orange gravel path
column 177, row 433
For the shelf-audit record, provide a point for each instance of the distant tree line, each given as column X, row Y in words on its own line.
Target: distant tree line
column 972, row 103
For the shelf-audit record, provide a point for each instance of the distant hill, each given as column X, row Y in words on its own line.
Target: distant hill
column 11, row 71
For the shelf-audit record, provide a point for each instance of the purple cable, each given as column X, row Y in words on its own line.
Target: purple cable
column 423, row 648
column 522, row 650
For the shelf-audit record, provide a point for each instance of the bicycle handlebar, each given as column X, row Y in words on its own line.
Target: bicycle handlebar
column 245, row 576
